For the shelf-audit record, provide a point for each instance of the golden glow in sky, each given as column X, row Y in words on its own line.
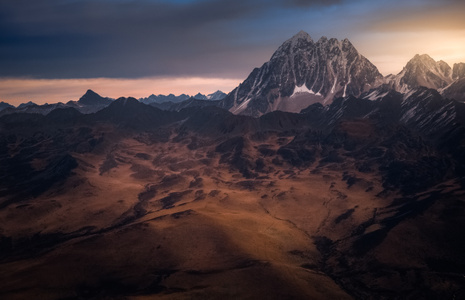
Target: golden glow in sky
column 17, row 91
column 391, row 57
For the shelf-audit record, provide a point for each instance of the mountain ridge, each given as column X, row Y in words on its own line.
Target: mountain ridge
column 267, row 89
column 299, row 73
column 159, row 99
column 92, row 102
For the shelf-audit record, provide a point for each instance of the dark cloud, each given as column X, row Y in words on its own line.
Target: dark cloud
column 89, row 38
column 56, row 38
column 308, row 3
column 136, row 38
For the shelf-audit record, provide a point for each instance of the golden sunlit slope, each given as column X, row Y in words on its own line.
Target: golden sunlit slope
column 183, row 229
column 180, row 217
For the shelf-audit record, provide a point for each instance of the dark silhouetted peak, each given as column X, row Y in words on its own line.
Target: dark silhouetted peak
column 164, row 98
column 33, row 108
column 122, row 107
column 127, row 102
column 63, row 115
column 458, row 71
column 4, row 105
column 92, row 98
column 200, row 96
column 91, row 93
column 130, row 113
column 218, row 95
column 24, row 105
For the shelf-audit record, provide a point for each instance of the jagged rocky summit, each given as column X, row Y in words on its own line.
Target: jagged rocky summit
column 159, row 99
column 302, row 72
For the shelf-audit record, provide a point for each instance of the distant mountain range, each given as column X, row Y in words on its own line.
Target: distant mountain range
column 4, row 105
column 92, row 102
column 218, row 95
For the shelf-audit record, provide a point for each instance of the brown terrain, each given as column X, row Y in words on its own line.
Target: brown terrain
column 231, row 211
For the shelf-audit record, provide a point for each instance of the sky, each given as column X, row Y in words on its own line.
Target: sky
column 54, row 50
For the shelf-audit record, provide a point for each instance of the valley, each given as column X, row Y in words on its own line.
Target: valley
column 234, row 210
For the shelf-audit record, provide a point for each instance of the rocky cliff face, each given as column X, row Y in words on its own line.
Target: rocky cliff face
column 424, row 71
column 302, row 72
column 456, row 90
column 458, row 72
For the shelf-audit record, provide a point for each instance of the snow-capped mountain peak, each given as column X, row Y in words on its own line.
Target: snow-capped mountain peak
column 422, row 70
column 302, row 72
column 23, row 105
column 218, row 95
column 299, row 42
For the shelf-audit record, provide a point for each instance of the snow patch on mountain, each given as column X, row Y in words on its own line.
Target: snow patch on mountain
column 302, row 90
